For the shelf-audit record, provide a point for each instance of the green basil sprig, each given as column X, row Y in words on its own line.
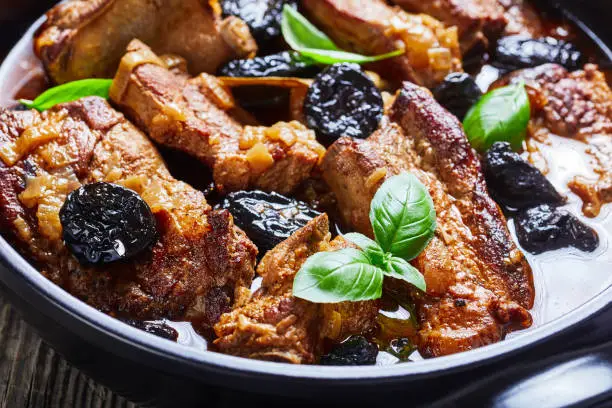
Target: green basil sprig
column 404, row 220
column 69, row 92
column 501, row 115
column 314, row 45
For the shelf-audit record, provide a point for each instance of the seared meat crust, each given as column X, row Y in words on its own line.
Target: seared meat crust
column 274, row 325
column 372, row 27
column 196, row 116
column 576, row 105
column 86, row 38
column 201, row 261
column 478, row 21
column 479, row 284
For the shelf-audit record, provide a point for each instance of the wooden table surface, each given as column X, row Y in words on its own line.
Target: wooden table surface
column 32, row 375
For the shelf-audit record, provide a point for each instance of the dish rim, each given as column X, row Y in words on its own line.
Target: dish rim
column 105, row 329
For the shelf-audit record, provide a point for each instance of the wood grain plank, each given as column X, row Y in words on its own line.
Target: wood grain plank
column 32, row 375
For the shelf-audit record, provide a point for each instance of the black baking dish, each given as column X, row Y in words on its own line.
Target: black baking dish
column 152, row 370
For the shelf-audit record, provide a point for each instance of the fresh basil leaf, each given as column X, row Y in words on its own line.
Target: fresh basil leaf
column 300, row 33
column 332, row 277
column 332, row 57
column 367, row 245
column 403, row 216
column 400, row 269
column 501, row 115
column 312, row 43
column 69, row 92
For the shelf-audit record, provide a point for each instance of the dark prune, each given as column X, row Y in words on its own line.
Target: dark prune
column 267, row 218
column 343, row 101
column 458, row 93
column 513, row 182
column 157, row 328
column 283, row 64
column 104, row 222
column 546, row 228
column 262, row 16
column 356, row 350
column 517, row 52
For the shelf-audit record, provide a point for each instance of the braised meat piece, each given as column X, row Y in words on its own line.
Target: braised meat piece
column 478, row 21
column 198, row 116
column 576, row 105
column 200, row 262
column 87, row 38
column 372, row 27
column 479, row 285
column 274, row 325
column 522, row 18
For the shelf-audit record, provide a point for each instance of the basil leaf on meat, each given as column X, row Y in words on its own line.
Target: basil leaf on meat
column 303, row 37
column 332, row 277
column 367, row 245
column 403, row 216
column 400, row 269
column 501, row 115
column 69, row 92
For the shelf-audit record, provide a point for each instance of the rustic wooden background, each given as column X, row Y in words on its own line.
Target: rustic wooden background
column 32, row 375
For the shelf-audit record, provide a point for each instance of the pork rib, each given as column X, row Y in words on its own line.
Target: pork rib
column 86, row 38
column 200, row 263
column 372, row 27
column 196, row 116
column 479, row 284
column 274, row 325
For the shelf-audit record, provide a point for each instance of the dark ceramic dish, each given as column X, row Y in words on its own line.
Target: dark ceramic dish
column 152, row 370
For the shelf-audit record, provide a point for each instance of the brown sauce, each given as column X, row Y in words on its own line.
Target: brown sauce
column 565, row 279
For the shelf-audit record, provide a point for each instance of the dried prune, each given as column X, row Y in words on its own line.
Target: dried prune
column 283, row 64
column 513, row 182
column 159, row 329
column 267, row 218
column 517, row 51
column 356, row 350
column 458, row 93
column 546, row 228
column 343, row 101
column 104, row 222
column 262, row 16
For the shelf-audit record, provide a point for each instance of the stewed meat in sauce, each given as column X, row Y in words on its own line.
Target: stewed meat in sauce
column 86, row 197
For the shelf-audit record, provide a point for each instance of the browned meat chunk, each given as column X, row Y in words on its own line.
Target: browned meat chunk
column 273, row 325
column 195, row 116
column 87, row 38
column 478, row 21
column 522, row 18
column 201, row 261
column 479, row 284
column 575, row 105
column 372, row 27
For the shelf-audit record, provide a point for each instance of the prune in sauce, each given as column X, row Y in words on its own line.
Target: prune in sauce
column 157, row 328
column 267, row 218
column 513, row 182
column 104, row 222
column 546, row 228
column 356, row 350
column 262, row 16
column 283, row 64
column 458, row 93
column 517, row 52
column 343, row 101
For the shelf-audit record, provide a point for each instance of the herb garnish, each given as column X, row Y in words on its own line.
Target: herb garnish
column 69, row 92
column 314, row 45
column 501, row 115
column 403, row 219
